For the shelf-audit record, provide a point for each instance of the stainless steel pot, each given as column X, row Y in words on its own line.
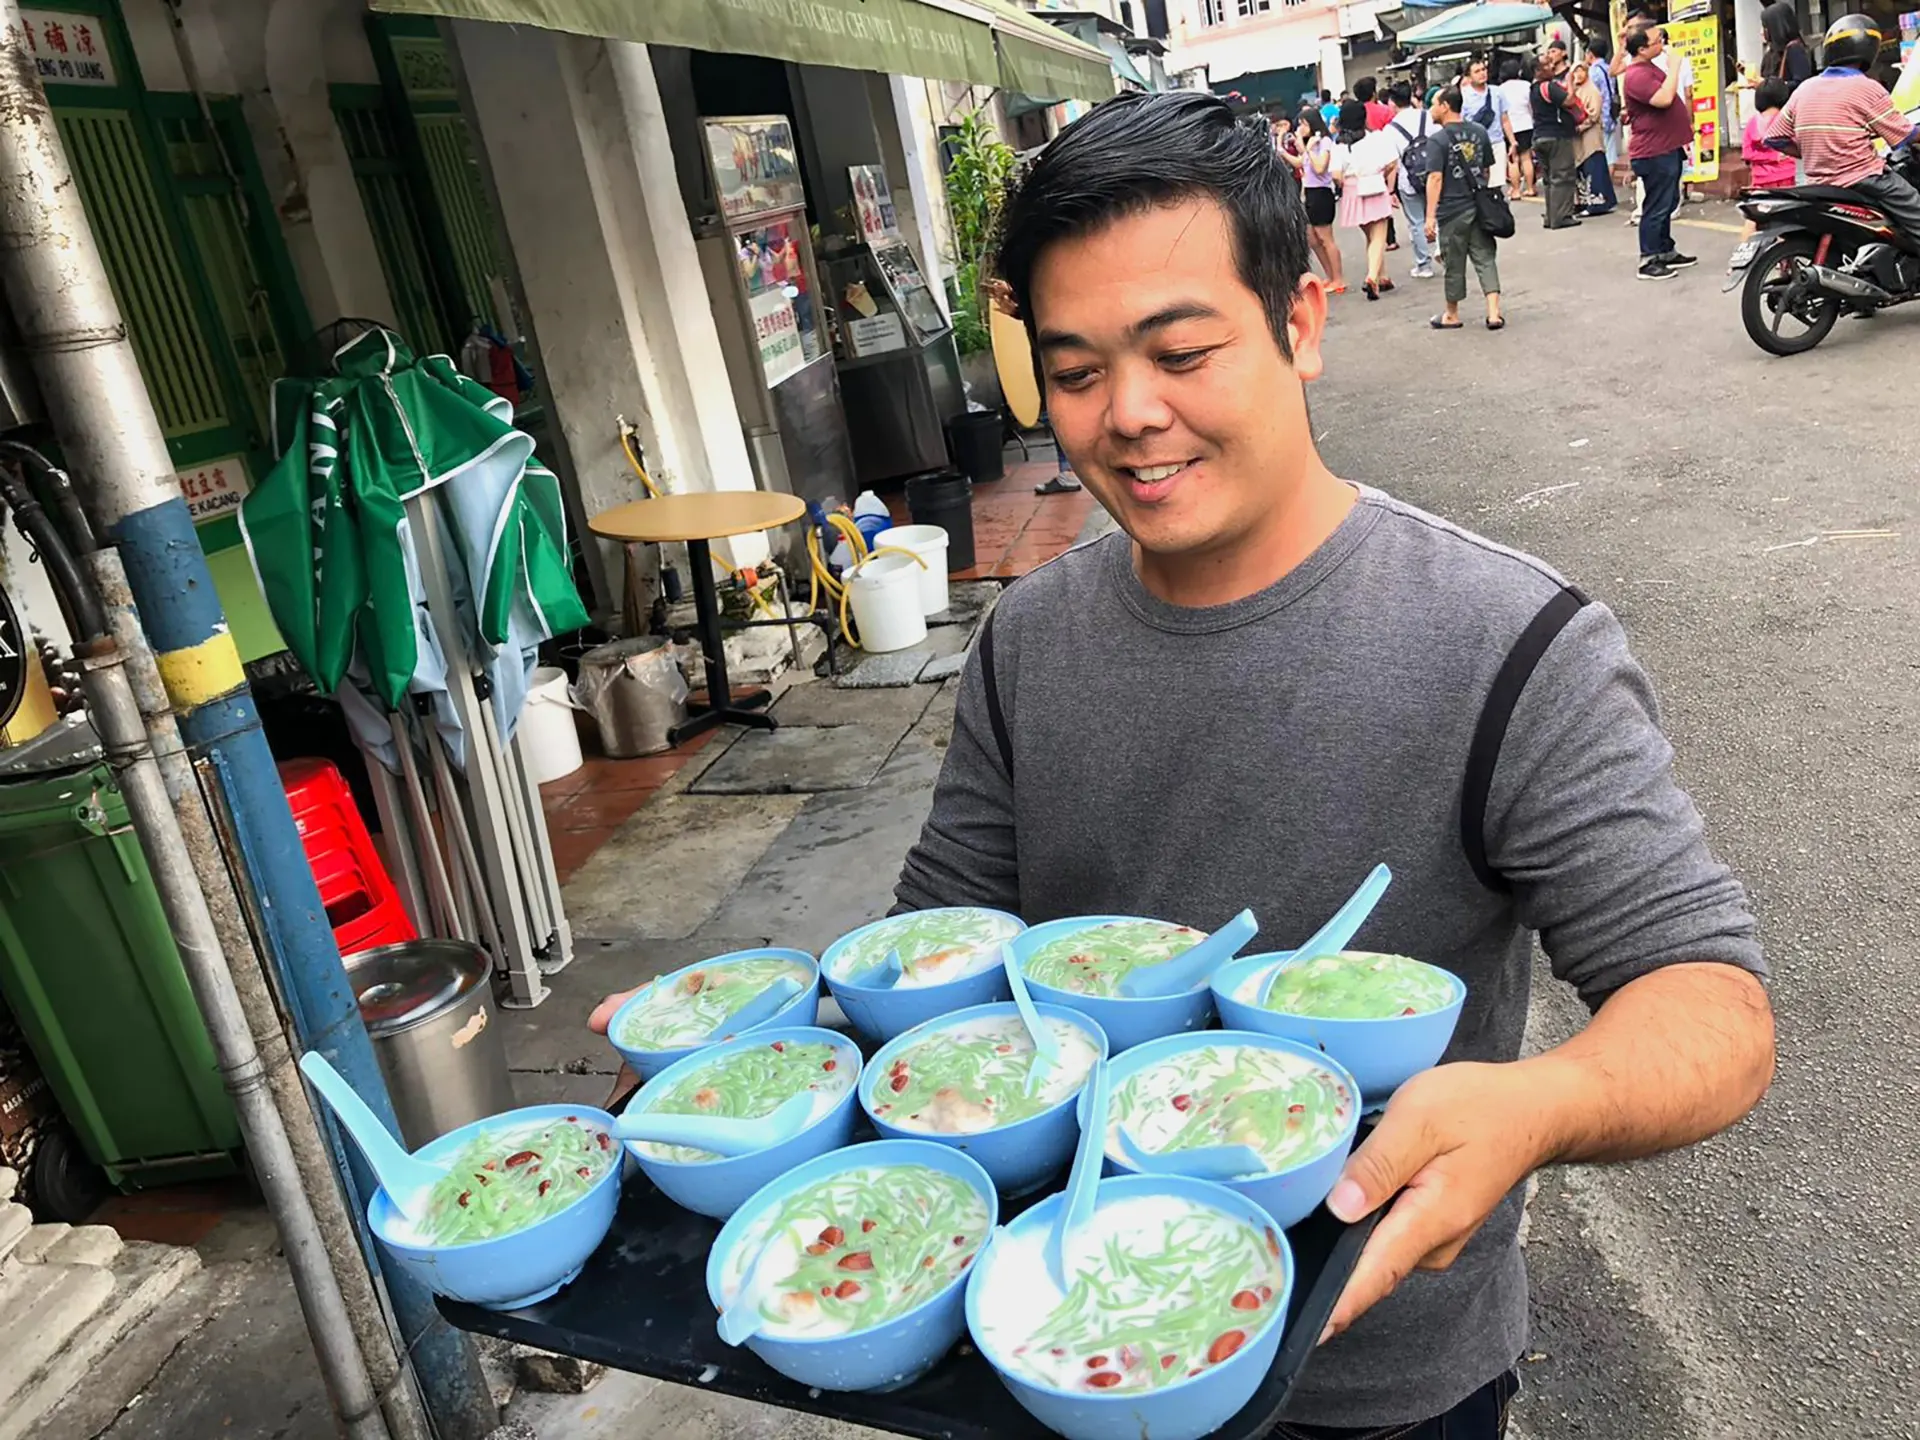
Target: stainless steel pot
column 428, row 1007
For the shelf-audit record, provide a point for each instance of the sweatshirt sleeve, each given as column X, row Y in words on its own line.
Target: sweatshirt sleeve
column 1606, row 854
column 966, row 854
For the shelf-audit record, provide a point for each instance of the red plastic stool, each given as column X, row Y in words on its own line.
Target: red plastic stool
column 361, row 903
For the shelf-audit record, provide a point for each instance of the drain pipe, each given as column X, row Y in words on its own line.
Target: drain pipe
column 123, row 736
column 399, row 1402
column 56, row 288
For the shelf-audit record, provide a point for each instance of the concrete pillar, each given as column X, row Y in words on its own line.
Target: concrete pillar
column 1749, row 45
column 573, row 132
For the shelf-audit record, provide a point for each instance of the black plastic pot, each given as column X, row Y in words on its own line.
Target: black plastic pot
column 945, row 498
column 973, row 440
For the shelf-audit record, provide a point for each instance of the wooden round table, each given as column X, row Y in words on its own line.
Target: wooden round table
column 698, row 520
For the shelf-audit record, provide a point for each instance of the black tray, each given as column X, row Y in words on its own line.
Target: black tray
column 641, row 1305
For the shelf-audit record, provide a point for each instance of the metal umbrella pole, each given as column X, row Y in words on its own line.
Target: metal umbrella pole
column 115, row 714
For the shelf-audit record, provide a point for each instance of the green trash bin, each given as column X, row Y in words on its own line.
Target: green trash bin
column 89, row 969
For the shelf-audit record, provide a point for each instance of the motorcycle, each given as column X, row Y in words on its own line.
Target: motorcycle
column 1822, row 251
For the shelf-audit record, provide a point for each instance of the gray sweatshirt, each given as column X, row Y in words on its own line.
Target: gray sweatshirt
column 1184, row 763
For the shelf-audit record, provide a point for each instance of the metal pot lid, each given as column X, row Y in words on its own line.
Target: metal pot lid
column 400, row 986
column 616, row 652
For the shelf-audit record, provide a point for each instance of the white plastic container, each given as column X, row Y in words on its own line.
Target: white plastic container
column 550, row 742
column 885, row 595
column 929, row 542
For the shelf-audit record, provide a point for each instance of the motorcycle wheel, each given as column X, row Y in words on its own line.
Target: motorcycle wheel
column 1775, row 323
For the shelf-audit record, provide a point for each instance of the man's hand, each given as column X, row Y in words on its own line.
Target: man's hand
column 598, row 1021
column 1433, row 230
column 1454, row 1141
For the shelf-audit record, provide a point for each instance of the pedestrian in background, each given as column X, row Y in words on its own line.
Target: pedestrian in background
column 1314, row 157
column 1366, row 190
column 1486, row 107
column 1379, row 115
column 1409, row 135
column 1459, row 158
column 1556, row 121
column 1662, row 134
column 1593, row 178
column 1517, row 92
column 1787, row 58
column 1600, row 72
column 1769, row 168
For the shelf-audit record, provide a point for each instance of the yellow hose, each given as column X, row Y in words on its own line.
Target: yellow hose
column 820, row 577
column 760, row 601
column 846, row 591
column 653, row 492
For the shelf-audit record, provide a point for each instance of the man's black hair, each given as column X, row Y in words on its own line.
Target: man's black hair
column 1638, row 40
column 1365, row 88
column 1451, row 98
column 1326, row 97
column 1771, row 94
column 1401, row 94
column 1136, row 152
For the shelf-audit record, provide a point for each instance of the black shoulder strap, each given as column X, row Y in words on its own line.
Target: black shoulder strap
column 996, row 717
column 1491, row 733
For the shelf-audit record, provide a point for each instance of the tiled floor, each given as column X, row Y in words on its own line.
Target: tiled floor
column 1015, row 530
column 586, row 807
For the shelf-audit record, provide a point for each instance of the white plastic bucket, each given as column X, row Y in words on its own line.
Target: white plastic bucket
column 547, row 735
column 885, row 595
column 929, row 542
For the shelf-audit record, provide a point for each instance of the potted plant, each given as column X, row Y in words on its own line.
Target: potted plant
column 980, row 166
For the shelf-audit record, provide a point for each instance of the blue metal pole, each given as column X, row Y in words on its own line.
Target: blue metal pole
column 194, row 652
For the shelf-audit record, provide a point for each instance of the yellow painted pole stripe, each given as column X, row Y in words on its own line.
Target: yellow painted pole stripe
column 202, row 672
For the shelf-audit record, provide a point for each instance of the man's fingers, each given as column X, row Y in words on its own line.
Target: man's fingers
column 1396, row 1151
column 602, row 1014
column 1406, row 1236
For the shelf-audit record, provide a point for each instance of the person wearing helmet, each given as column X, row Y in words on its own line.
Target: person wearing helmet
column 1832, row 120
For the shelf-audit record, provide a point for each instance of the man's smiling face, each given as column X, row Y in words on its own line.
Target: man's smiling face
column 1164, row 382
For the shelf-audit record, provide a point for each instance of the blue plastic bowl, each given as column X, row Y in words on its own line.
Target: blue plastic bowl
column 516, row 1269
column 803, row 1009
column 1127, row 1021
column 887, row 1356
column 1185, row 1410
column 1020, row 1157
column 1381, row 1055
column 1289, row 1195
column 879, row 1015
column 718, row 1187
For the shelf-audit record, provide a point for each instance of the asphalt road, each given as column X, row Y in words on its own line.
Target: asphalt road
column 1764, row 1283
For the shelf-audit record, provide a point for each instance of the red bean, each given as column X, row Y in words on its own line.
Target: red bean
column 1296, row 1109
column 1167, row 1362
column 1105, row 1380
column 584, row 1173
column 779, row 1047
column 694, row 983
column 899, row 1081
column 819, row 1247
column 1246, row 1300
column 483, row 1179
column 1273, row 1243
column 833, row 1235
column 573, row 1119
column 545, row 1185
column 1266, row 1293
column 1225, row 1345
column 858, row 1260
column 846, row 1289
column 1183, row 1103
column 1409, row 1011
column 830, row 1065
column 1095, row 1362
column 606, row 1142
column 867, row 1225
column 1003, row 1049
column 522, row 1158
column 465, row 1195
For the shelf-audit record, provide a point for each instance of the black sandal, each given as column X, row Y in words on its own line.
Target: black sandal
column 1499, row 324
column 1435, row 322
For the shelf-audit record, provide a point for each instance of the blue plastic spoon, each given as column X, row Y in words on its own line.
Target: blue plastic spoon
column 883, row 976
column 742, row 1320
column 764, row 1006
column 1046, row 1049
column 1083, row 1181
column 1190, row 968
column 723, row 1135
column 1332, row 937
column 1203, row 1162
column 407, row 1181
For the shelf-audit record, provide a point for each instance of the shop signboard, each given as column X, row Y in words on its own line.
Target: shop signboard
column 755, row 167
column 776, row 329
column 873, row 202
column 215, row 488
column 1699, row 42
column 68, row 48
column 1692, row 10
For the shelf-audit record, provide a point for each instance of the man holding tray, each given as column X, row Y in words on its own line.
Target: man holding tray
column 1274, row 679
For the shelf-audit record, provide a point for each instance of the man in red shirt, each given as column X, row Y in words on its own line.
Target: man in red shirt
column 1661, row 138
column 1832, row 120
column 1367, row 91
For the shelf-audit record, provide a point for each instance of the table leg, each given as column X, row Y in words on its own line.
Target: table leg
column 722, row 704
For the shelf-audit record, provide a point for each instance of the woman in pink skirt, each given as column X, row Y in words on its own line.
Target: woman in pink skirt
column 1366, row 190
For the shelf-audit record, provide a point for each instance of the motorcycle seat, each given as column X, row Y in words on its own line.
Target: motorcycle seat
column 1830, row 194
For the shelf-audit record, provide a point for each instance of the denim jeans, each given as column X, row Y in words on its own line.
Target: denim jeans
column 1481, row 1416
column 1413, row 205
column 1660, row 175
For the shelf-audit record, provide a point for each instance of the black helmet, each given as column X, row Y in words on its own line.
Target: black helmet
column 1852, row 40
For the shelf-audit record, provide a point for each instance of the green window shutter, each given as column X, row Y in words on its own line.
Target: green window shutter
column 464, row 211
column 144, row 268
column 398, row 232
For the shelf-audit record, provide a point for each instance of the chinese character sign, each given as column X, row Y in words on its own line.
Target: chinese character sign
column 1699, row 42
column 777, row 331
column 67, row 48
column 215, row 488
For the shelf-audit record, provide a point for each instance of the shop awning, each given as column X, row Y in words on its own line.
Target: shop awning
column 980, row 42
column 1475, row 22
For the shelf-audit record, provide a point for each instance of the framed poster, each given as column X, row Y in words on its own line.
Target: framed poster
column 873, row 204
column 776, row 330
column 754, row 165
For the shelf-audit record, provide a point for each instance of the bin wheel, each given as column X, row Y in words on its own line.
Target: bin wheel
column 67, row 1185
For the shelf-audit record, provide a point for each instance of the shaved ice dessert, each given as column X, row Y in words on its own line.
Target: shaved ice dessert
column 859, row 1248
column 936, row 946
column 506, row 1180
column 748, row 1083
column 1352, row 985
column 1095, row 960
column 972, row 1076
column 1286, row 1107
column 1161, row 1288
column 685, row 1009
